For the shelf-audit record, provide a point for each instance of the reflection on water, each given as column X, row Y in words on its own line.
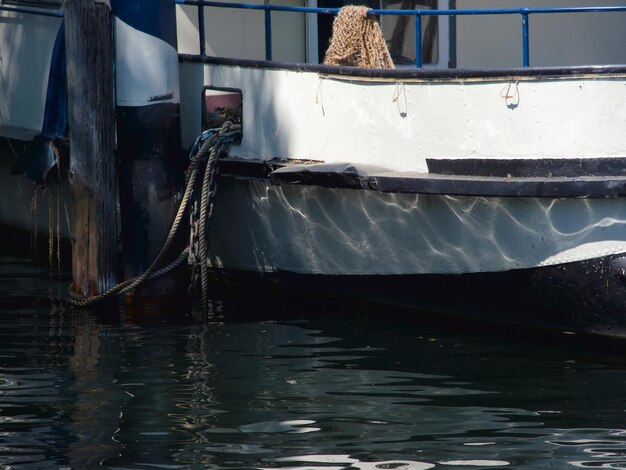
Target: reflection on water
column 303, row 387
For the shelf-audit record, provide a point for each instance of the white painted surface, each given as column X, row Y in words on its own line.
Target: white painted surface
column 398, row 125
column 312, row 230
column 146, row 68
column 26, row 43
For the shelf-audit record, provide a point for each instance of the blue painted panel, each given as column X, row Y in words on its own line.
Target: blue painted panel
column 55, row 112
column 154, row 17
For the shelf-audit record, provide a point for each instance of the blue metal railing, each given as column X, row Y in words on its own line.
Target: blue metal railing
column 524, row 14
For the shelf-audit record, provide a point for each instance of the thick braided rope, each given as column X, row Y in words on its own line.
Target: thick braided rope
column 211, row 147
column 130, row 284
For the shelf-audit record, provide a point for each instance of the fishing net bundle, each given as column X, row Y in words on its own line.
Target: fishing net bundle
column 357, row 40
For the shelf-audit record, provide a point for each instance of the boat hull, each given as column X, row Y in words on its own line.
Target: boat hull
column 306, row 229
column 555, row 263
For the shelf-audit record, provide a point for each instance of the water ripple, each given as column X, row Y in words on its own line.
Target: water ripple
column 80, row 390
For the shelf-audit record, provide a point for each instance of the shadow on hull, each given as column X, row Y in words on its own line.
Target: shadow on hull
column 585, row 298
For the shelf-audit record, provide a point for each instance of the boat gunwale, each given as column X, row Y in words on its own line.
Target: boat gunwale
column 424, row 74
column 594, row 184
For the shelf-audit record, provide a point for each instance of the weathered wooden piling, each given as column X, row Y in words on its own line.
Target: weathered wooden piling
column 91, row 112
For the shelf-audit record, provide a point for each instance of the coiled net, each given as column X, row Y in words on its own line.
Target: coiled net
column 357, row 40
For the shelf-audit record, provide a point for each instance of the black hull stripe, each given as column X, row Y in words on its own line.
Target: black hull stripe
column 586, row 296
column 555, row 187
column 529, row 168
column 352, row 177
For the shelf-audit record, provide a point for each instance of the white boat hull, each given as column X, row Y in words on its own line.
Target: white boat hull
column 558, row 264
column 451, row 229
column 26, row 54
column 398, row 123
column 315, row 230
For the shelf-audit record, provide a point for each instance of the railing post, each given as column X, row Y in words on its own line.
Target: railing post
column 312, row 50
column 268, row 31
column 418, row 41
column 201, row 32
column 525, row 41
column 91, row 116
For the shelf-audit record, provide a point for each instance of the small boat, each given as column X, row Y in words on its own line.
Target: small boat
column 483, row 176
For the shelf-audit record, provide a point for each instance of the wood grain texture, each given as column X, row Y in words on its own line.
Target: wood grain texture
column 91, row 101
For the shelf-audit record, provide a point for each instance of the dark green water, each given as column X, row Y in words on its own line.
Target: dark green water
column 295, row 386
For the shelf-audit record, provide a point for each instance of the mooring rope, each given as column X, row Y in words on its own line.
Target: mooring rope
column 209, row 146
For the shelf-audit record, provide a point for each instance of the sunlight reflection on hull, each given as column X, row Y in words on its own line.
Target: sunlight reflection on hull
column 313, row 230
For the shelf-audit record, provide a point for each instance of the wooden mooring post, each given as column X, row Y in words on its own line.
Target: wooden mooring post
column 91, row 113
column 124, row 125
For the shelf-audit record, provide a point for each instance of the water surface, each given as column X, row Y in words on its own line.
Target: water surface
column 295, row 385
